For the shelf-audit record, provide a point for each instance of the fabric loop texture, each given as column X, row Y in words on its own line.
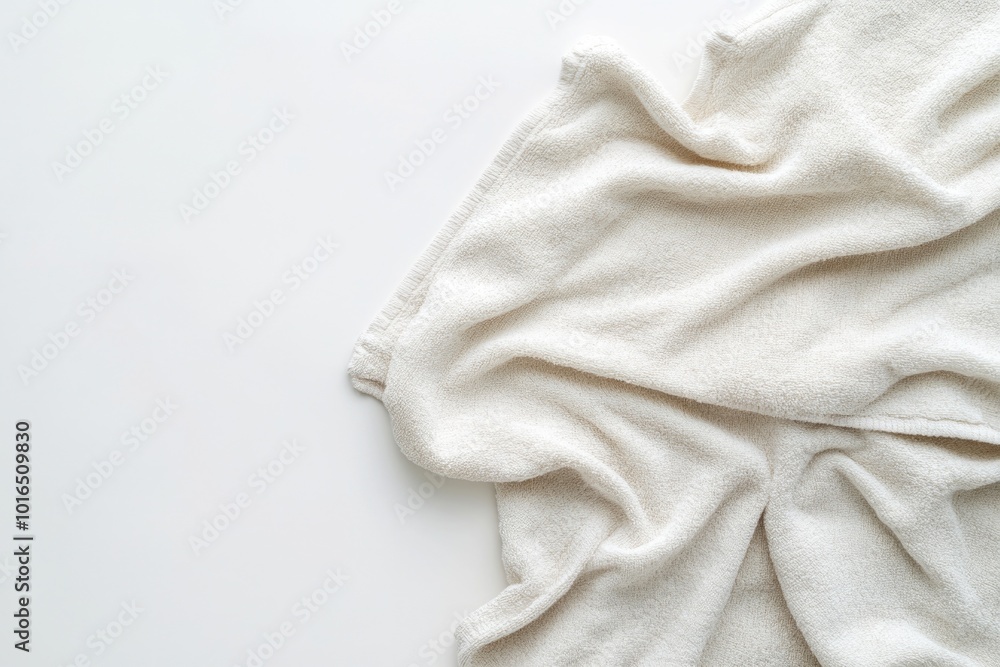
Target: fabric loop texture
column 732, row 363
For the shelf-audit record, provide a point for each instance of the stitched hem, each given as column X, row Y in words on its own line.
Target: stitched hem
column 916, row 425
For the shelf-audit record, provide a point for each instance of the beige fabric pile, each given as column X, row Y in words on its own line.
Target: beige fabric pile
column 733, row 364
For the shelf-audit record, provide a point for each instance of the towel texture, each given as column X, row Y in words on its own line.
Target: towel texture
column 732, row 364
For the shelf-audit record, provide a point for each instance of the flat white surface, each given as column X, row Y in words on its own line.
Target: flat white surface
column 336, row 505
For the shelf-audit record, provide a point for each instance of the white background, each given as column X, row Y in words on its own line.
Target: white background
column 64, row 232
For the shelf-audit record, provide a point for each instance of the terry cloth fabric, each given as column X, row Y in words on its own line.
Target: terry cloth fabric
column 733, row 364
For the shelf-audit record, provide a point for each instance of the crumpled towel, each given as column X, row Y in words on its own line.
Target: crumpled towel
column 733, row 364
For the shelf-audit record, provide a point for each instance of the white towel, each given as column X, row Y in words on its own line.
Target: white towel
column 732, row 364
